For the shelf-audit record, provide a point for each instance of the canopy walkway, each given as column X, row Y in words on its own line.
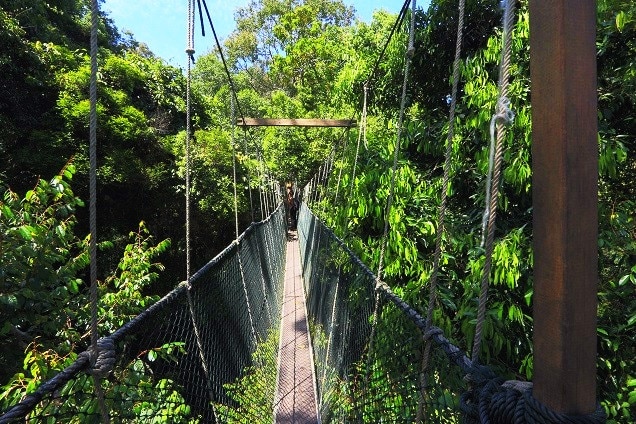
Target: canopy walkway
column 205, row 354
column 209, row 353
column 297, row 329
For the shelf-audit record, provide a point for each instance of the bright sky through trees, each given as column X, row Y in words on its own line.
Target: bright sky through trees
column 162, row 24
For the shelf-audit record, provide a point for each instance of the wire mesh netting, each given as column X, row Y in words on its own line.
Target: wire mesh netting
column 366, row 372
column 202, row 354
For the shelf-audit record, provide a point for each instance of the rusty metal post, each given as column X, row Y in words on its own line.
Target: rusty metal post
column 565, row 186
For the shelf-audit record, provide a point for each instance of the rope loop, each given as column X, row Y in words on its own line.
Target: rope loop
column 503, row 113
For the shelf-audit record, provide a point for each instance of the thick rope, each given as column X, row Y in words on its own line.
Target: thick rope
column 396, row 24
column 499, row 118
column 432, row 296
column 499, row 401
column 93, row 209
column 506, row 115
column 220, row 49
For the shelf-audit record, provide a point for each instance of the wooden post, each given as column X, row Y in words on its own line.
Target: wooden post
column 565, row 181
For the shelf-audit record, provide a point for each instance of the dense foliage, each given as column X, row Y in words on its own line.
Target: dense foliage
column 291, row 58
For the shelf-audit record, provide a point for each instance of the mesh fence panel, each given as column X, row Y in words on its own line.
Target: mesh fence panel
column 189, row 357
column 366, row 374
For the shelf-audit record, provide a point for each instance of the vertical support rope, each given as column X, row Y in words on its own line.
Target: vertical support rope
column 190, row 52
column 247, row 298
column 376, row 309
column 93, row 207
column 432, row 297
column 344, row 156
column 331, row 325
column 362, row 135
column 260, row 184
column 502, row 116
column 249, row 178
column 396, row 152
column 233, row 114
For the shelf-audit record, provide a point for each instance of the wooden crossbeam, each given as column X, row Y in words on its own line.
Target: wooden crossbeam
column 294, row 122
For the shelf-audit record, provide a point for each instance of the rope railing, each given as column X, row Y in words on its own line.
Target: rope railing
column 360, row 381
column 359, row 384
column 156, row 372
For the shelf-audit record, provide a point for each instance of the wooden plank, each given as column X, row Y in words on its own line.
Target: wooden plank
column 565, row 222
column 294, row 122
column 295, row 392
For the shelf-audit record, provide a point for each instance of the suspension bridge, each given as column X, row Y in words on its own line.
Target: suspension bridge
column 292, row 327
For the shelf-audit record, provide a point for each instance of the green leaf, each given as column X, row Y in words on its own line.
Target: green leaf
column 26, row 231
column 620, row 21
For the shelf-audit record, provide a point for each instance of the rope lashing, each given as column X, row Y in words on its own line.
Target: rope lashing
column 506, row 115
column 19, row 411
column 102, row 359
column 504, row 76
column 499, row 401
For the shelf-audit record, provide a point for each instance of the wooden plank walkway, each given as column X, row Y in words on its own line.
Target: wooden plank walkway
column 295, row 394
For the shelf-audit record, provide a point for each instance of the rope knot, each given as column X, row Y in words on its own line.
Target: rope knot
column 431, row 332
column 190, row 52
column 503, row 111
column 103, row 358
